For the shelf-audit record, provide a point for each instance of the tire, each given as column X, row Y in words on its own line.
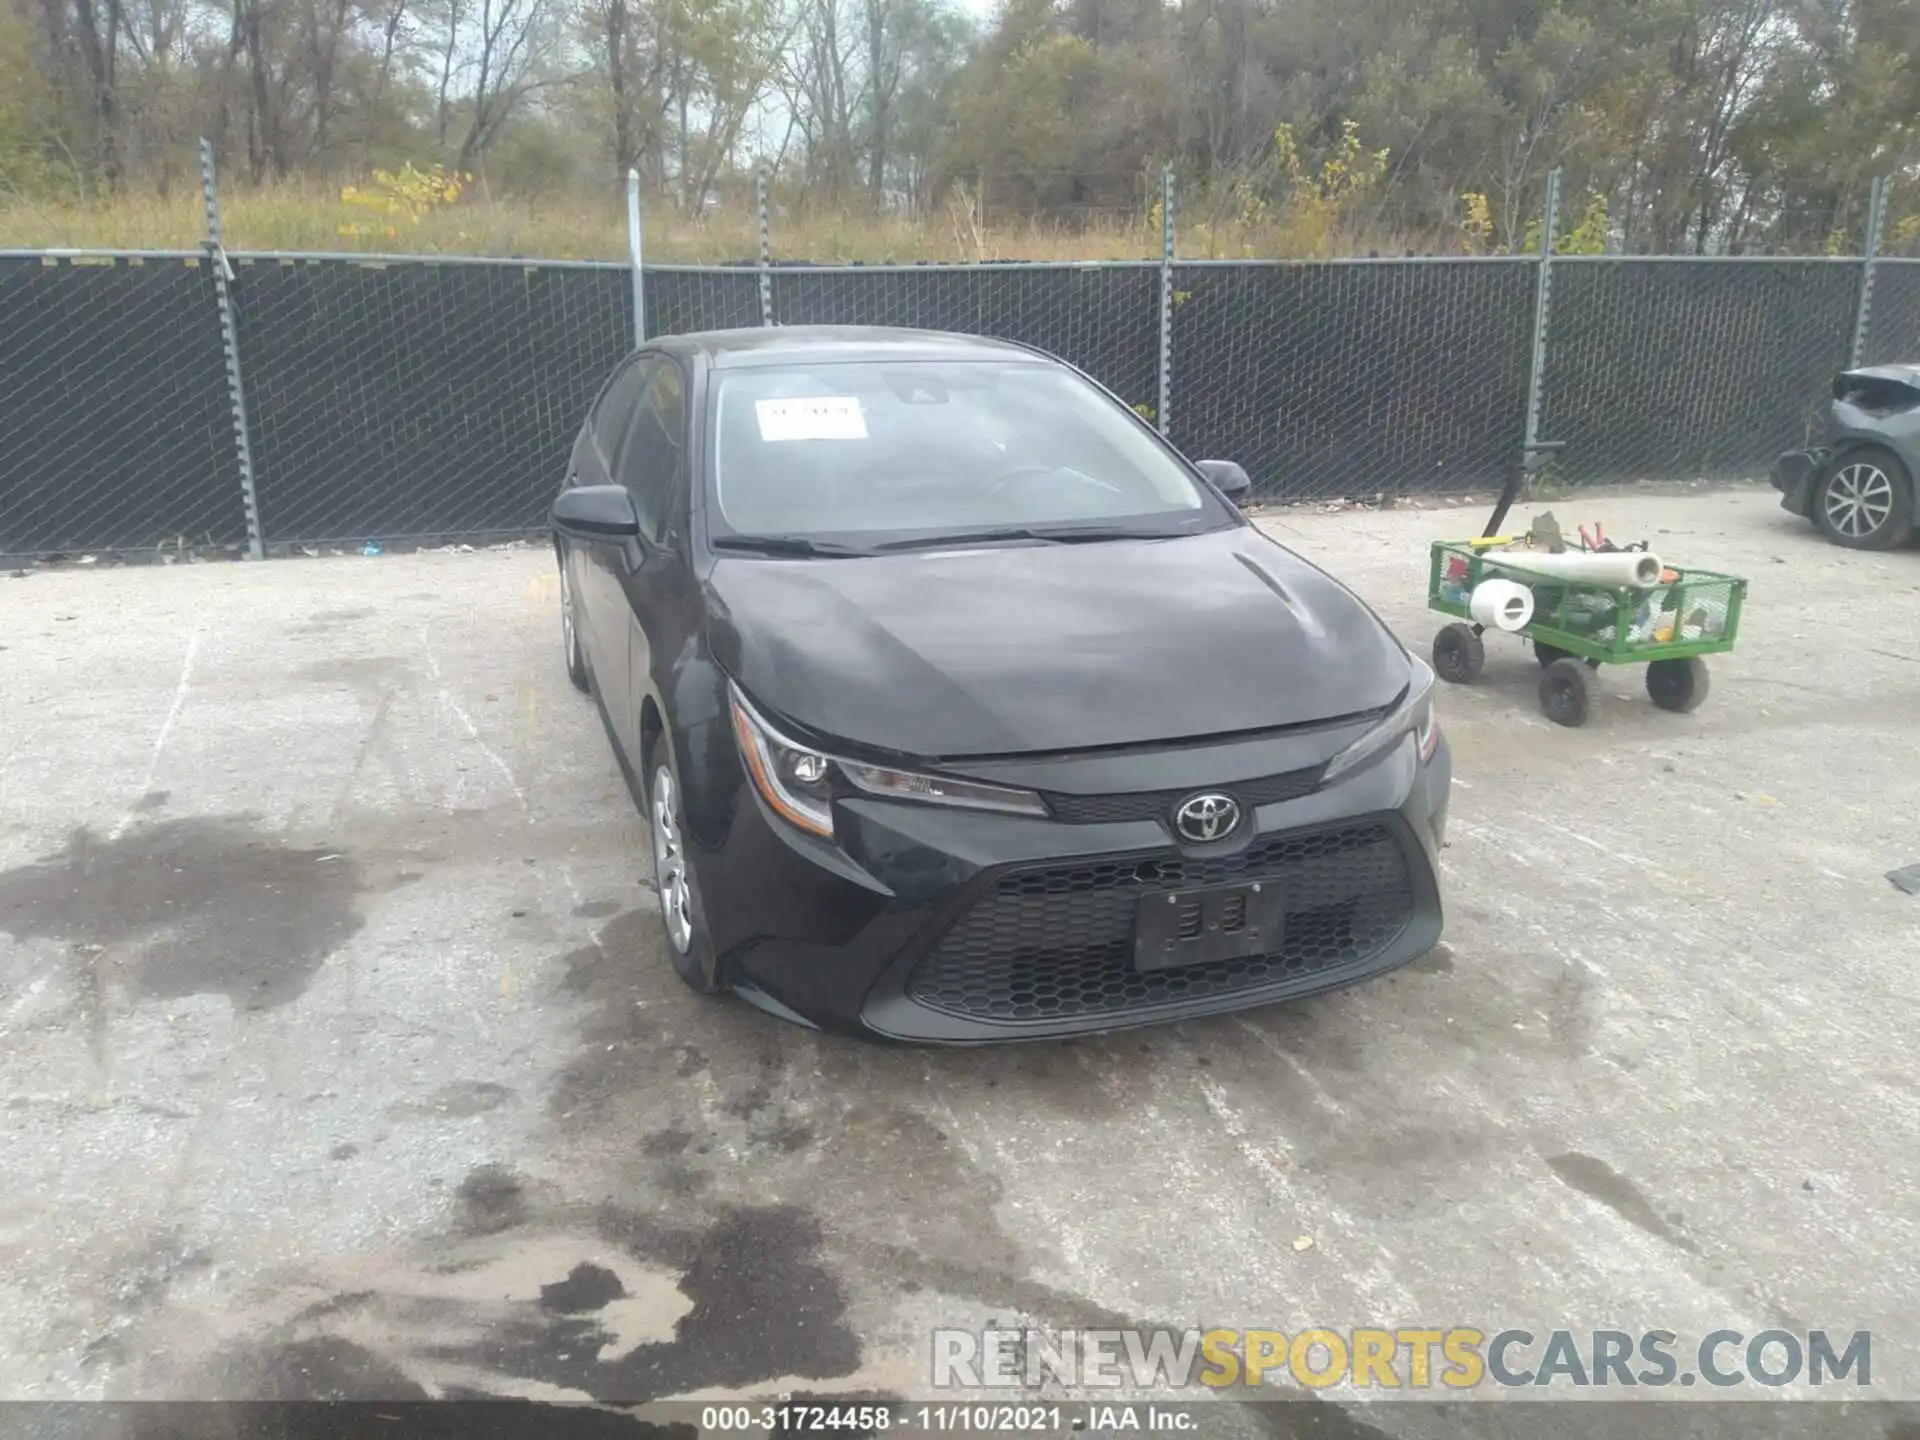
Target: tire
column 1678, row 685
column 1566, row 692
column 1864, row 500
column 682, row 918
column 1458, row 654
column 576, row 656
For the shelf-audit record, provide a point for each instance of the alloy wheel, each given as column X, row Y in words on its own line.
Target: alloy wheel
column 1858, row 499
column 670, row 863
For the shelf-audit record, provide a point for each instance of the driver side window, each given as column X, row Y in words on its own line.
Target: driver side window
column 651, row 460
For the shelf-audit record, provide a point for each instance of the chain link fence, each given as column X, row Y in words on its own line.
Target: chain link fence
column 423, row 400
column 418, row 400
column 114, row 427
column 1893, row 315
column 1354, row 379
column 1700, row 368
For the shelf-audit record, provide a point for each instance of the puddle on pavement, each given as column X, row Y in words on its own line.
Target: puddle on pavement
column 1599, row 1181
column 187, row 907
column 611, row 1306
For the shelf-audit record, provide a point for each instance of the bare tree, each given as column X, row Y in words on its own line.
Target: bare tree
column 508, row 46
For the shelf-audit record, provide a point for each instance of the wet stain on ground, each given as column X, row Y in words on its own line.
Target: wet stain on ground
column 597, row 909
column 623, row 1046
column 324, row 1367
column 187, row 907
column 151, row 801
column 1437, row 961
column 491, row 1199
column 756, row 1112
column 586, row 1288
column 764, row 1306
column 362, row 671
column 788, row 1135
column 1599, row 1181
column 667, row 1143
column 458, row 1101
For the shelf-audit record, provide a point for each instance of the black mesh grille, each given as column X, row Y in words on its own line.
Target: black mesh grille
column 1158, row 804
column 1056, row 942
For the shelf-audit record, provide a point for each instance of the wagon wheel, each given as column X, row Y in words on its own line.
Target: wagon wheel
column 1458, row 654
column 1566, row 691
column 1678, row 685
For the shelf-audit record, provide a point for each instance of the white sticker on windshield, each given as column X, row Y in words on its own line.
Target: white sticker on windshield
column 813, row 417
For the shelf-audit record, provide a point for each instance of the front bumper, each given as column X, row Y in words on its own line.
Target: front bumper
column 937, row 925
column 1794, row 474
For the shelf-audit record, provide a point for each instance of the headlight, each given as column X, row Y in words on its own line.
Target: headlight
column 1413, row 714
column 797, row 782
column 942, row 790
column 790, row 777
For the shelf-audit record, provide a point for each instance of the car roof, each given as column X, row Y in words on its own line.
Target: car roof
column 789, row 344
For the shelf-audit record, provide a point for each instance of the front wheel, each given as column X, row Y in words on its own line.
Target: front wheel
column 1865, row 501
column 688, row 946
column 570, row 629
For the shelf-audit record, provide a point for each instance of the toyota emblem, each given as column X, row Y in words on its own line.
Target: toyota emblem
column 1202, row 818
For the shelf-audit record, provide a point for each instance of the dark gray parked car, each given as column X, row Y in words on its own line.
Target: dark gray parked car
column 1858, row 486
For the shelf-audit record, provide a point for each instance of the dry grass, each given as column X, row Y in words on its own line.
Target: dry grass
column 307, row 219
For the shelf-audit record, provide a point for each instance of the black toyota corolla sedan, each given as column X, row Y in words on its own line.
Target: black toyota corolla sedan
column 963, row 708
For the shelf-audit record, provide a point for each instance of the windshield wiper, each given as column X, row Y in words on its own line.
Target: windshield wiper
column 796, row 545
column 1059, row 534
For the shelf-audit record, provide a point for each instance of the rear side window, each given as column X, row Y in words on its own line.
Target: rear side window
column 650, row 460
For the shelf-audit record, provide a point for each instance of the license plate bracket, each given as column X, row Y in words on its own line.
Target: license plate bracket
column 1177, row 928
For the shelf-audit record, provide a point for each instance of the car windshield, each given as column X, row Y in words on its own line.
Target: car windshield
column 906, row 452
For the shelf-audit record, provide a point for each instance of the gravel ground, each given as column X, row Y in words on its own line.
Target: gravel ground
column 336, row 1032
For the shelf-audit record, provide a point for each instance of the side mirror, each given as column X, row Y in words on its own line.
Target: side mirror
column 596, row 512
column 1228, row 478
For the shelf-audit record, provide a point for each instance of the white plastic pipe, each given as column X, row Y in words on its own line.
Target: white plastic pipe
column 1621, row 567
column 1501, row 604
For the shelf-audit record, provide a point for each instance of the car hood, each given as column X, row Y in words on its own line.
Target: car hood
column 1022, row 649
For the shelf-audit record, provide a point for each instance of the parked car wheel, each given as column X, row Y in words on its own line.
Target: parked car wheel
column 570, row 631
column 681, row 916
column 1865, row 500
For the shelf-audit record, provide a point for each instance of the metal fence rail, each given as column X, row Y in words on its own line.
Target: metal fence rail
column 395, row 398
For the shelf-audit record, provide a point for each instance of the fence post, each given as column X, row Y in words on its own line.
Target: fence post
column 636, row 253
column 1163, row 411
column 230, row 342
column 1876, row 219
column 766, row 245
column 1542, row 308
